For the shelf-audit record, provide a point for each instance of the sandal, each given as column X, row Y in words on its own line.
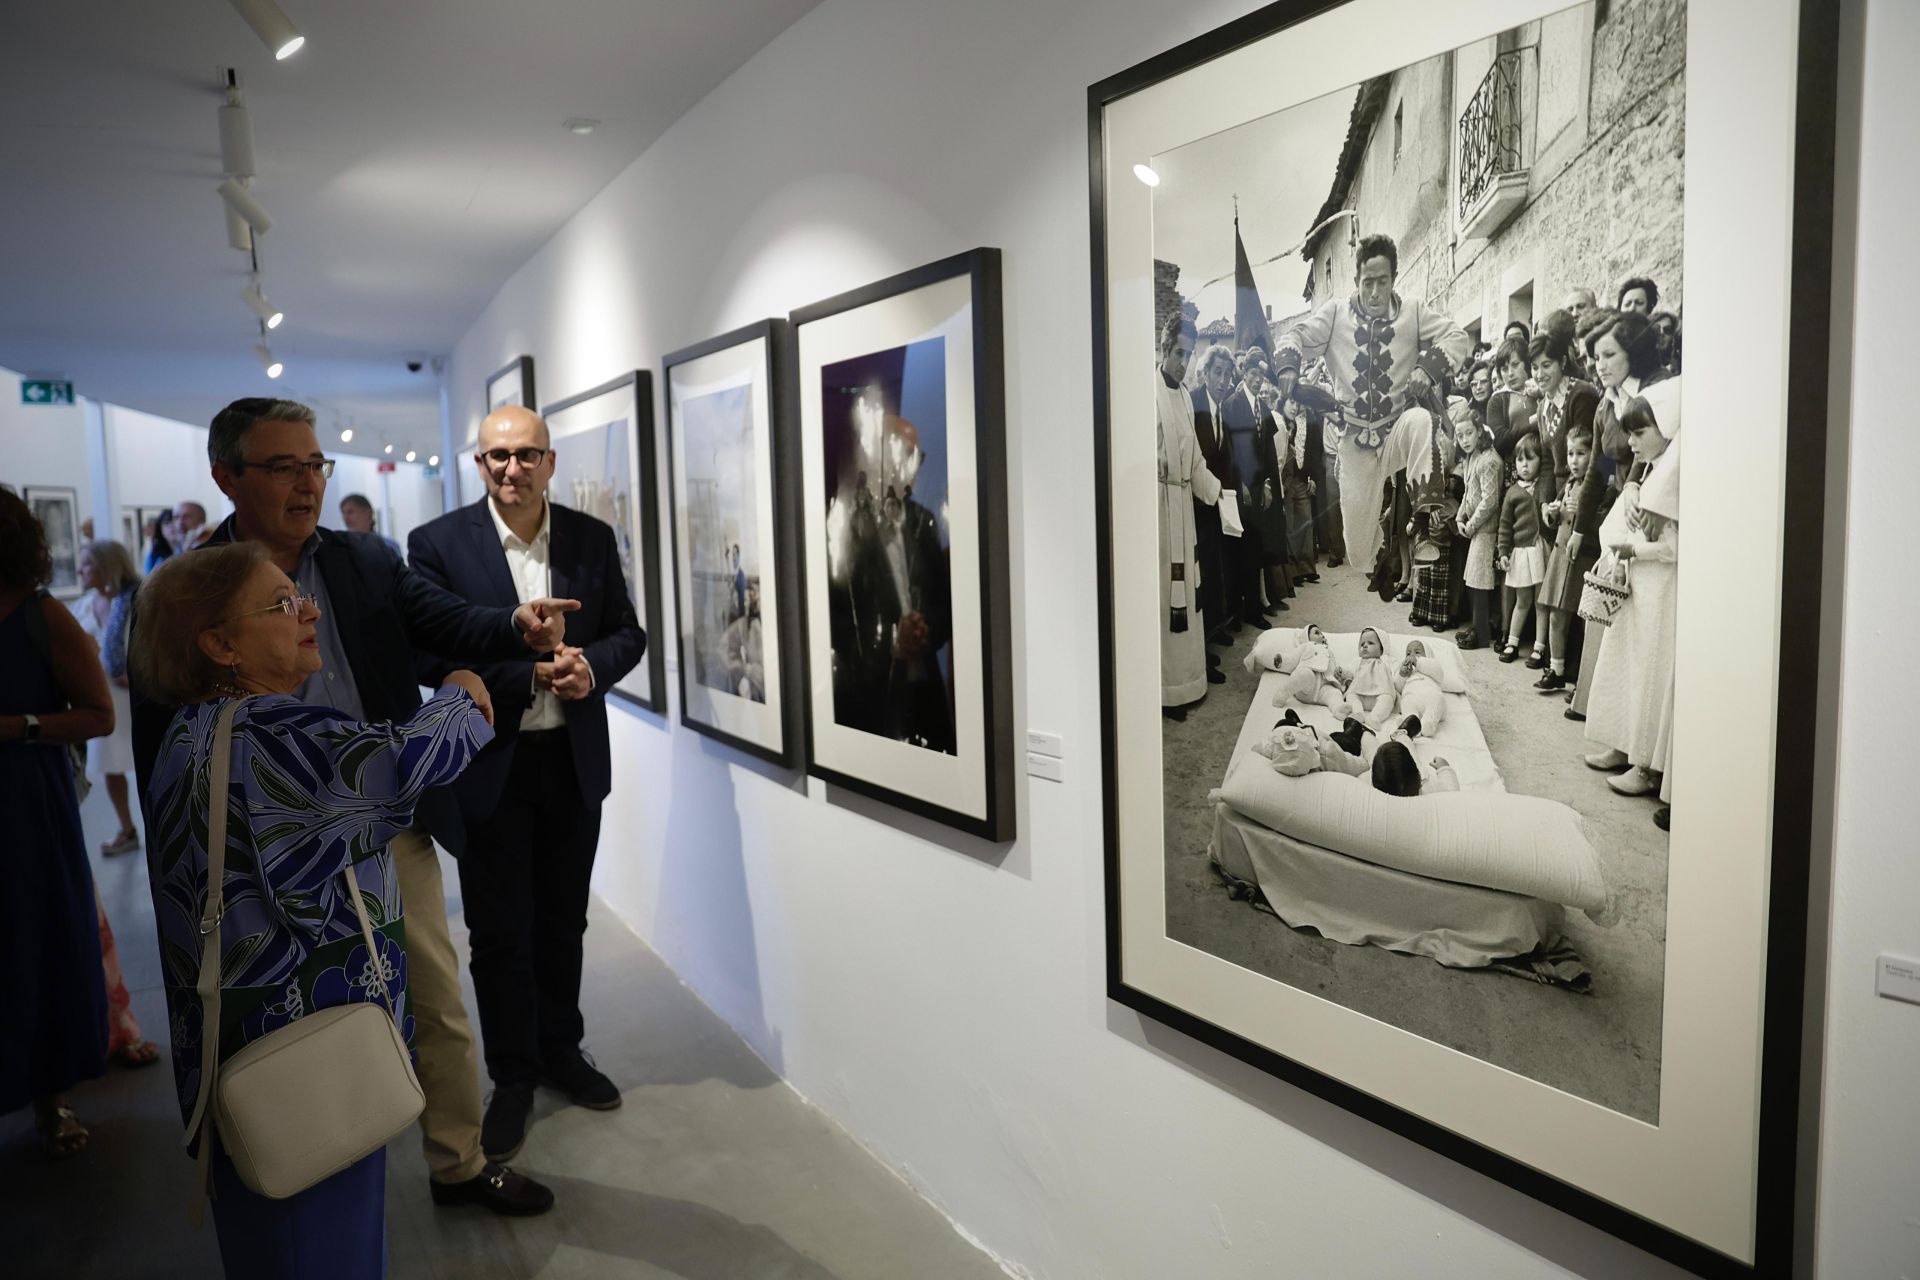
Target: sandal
column 141, row 1053
column 61, row 1133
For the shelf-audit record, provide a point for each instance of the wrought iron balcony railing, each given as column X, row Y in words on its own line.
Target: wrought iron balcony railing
column 1490, row 132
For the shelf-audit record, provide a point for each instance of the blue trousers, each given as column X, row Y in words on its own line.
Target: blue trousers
column 334, row 1230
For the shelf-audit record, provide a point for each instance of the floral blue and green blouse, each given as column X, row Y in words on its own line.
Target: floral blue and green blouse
column 311, row 792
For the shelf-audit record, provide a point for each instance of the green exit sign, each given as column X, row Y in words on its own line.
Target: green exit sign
column 45, row 391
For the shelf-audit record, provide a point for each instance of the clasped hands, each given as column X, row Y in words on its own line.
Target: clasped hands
column 568, row 676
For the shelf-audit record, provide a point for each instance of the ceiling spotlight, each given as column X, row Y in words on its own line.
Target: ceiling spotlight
column 267, row 362
column 1146, row 174
column 239, row 234
column 236, row 133
column 579, row 124
column 434, row 461
column 389, row 449
column 270, row 315
column 346, row 434
column 241, row 201
column 272, row 26
column 411, row 455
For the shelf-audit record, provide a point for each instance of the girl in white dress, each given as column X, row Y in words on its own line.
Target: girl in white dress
column 106, row 570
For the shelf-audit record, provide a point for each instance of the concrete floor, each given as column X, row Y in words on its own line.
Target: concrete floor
column 1604, row 1046
column 712, row 1168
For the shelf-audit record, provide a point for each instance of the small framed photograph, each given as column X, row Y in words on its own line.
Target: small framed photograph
column 57, row 509
column 1456, row 765
column 512, row 383
column 603, row 465
column 898, row 394
column 732, row 492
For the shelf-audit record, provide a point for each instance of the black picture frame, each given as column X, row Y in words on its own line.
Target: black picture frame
column 645, row 535
column 783, row 470
column 1781, row 1131
column 981, row 268
column 517, row 371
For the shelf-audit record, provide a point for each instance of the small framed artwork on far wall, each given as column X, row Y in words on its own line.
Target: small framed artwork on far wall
column 898, row 395
column 732, row 492
column 57, row 509
column 603, row 465
column 511, row 383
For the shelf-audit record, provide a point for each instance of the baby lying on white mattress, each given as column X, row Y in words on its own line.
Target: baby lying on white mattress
column 1296, row 749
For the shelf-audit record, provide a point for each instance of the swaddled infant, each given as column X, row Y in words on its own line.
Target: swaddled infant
column 1296, row 750
column 1312, row 675
column 1417, row 678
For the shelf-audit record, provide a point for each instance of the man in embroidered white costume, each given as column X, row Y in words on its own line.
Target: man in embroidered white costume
column 1184, row 479
column 1371, row 343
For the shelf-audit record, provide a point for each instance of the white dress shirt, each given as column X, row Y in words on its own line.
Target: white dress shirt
column 530, row 566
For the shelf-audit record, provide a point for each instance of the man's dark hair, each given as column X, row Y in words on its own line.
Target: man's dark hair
column 24, row 561
column 227, row 436
column 1647, row 286
column 358, row 500
column 1377, row 246
column 196, row 508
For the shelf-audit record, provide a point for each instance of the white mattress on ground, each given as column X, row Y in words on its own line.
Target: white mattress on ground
column 1354, row 901
column 1459, row 738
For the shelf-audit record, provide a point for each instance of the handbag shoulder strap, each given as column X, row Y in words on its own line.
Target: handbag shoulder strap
column 213, row 909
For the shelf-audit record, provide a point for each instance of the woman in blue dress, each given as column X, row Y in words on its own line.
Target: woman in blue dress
column 53, row 693
column 318, row 791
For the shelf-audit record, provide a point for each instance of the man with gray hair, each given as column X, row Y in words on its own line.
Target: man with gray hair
column 374, row 612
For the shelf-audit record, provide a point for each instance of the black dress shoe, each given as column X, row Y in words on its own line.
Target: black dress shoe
column 1662, row 816
column 1308, row 577
column 1571, row 714
column 1174, row 713
column 499, row 1190
column 1551, row 682
column 1213, row 659
column 577, row 1077
column 1215, row 676
column 1272, row 609
column 504, row 1130
column 1334, row 562
column 1255, row 621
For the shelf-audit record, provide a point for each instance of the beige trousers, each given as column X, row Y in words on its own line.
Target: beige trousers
column 445, row 1058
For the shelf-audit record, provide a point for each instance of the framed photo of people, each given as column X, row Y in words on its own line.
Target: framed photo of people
column 733, row 491
column 1439, row 779
column 898, row 397
column 58, row 510
column 603, row 465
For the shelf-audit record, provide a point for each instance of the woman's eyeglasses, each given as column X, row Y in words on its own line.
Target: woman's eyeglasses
column 292, row 606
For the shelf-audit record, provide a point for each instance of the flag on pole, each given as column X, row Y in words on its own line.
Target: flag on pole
column 1249, row 316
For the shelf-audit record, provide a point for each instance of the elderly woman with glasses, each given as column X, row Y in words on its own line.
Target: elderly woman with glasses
column 312, row 791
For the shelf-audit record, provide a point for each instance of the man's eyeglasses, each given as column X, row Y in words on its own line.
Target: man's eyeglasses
column 528, row 458
column 287, row 470
column 292, row 606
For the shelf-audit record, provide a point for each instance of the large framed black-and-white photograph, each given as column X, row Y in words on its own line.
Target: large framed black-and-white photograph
column 733, row 494
column 603, row 465
column 58, row 510
column 898, row 395
column 1439, row 780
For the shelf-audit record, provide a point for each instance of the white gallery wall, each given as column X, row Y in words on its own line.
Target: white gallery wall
column 43, row 445
column 944, row 999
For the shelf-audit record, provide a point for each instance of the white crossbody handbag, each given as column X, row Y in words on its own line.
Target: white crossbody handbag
column 307, row 1100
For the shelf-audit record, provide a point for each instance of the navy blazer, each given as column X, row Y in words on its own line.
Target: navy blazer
column 383, row 612
column 461, row 551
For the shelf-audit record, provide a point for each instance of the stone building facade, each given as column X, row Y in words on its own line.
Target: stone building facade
column 1515, row 169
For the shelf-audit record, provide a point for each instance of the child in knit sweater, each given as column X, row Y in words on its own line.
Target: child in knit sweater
column 1479, row 514
column 1523, row 557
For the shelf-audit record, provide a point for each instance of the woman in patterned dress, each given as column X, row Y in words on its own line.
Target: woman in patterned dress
column 317, row 791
